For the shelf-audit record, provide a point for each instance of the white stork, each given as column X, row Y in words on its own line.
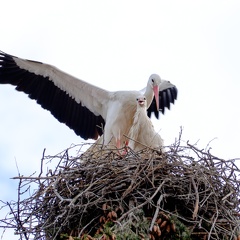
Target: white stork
column 142, row 133
column 83, row 107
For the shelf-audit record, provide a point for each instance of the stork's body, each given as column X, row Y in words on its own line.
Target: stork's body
column 85, row 108
column 119, row 117
column 142, row 133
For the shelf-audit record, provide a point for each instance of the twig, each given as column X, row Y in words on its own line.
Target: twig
column 33, row 178
column 41, row 168
column 156, row 211
column 195, row 212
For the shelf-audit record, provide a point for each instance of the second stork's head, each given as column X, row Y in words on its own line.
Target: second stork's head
column 141, row 102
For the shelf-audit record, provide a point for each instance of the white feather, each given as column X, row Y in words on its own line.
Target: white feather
column 142, row 133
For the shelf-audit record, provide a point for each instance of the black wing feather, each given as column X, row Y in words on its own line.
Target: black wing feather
column 166, row 97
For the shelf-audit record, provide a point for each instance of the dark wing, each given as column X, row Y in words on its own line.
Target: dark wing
column 51, row 97
column 166, row 97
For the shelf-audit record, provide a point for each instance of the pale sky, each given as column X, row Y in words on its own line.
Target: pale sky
column 117, row 45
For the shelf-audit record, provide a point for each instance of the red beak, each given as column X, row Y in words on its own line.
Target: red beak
column 156, row 92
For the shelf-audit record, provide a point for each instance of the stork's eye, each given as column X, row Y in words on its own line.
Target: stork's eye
column 152, row 80
column 144, row 98
column 137, row 99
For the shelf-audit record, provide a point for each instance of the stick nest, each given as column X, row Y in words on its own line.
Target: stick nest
column 183, row 193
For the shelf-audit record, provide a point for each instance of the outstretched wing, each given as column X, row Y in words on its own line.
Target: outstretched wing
column 81, row 106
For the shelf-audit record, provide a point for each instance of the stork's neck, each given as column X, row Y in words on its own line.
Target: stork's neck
column 139, row 116
column 149, row 95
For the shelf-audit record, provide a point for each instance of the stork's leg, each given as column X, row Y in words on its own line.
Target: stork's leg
column 118, row 145
column 125, row 151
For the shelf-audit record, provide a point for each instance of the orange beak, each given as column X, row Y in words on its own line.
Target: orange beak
column 156, row 92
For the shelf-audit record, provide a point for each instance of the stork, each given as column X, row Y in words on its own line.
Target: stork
column 83, row 107
column 142, row 133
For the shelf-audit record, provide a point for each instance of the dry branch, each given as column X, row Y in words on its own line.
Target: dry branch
column 185, row 192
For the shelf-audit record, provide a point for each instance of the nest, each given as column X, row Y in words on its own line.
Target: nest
column 183, row 193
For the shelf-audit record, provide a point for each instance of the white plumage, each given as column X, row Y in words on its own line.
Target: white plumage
column 83, row 107
column 142, row 133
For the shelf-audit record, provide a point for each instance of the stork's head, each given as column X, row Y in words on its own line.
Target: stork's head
column 154, row 82
column 141, row 101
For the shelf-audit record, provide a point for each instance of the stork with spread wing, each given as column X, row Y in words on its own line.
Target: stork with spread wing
column 83, row 107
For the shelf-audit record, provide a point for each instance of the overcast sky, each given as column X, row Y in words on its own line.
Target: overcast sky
column 117, row 45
